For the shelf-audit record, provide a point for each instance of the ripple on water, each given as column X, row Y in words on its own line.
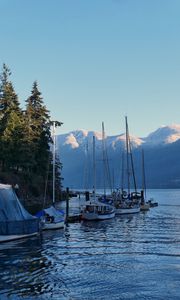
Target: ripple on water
column 129, row 257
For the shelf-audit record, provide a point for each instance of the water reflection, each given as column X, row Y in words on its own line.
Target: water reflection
column 20, row 266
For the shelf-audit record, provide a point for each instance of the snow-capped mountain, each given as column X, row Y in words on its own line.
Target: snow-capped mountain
column 161, row 148
column 163, row 135
column 80, row 138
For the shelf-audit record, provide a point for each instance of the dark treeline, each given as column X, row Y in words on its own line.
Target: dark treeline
column 25, row 142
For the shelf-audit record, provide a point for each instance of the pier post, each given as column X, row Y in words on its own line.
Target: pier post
column 67, row 205
column 87, row 195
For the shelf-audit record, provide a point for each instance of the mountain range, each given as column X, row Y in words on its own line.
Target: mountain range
column 161, row 150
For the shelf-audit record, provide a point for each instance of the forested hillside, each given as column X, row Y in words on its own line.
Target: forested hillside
column 25, row 142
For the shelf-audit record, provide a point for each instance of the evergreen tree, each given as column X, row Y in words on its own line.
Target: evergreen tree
column 38, row 134
column 25, row 140
column 11, row 123
column 38, row 138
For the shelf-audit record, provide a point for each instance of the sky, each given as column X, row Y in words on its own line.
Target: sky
column 96, row 61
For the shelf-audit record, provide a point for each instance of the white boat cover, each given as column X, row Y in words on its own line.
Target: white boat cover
column 14, row 219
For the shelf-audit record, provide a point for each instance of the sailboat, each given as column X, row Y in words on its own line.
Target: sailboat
column 107, row 181
column 51, row 217
column 94, row 209
column 127, row 202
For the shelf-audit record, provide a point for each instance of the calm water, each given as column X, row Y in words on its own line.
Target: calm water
column 129, row 257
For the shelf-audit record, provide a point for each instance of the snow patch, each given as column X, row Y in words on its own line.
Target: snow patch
column 164, row 135
column 71, row 140
column 98, row 135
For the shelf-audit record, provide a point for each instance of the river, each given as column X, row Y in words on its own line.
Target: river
column 128, row 257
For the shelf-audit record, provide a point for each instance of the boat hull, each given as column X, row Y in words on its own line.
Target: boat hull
column 152, row 204
column 12, row 237
column 49, row 226
column 123, row 211
column 145, row 207
column 96, row 216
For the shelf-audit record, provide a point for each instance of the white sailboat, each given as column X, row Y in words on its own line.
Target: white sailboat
column 94, row 209
column 51, row 217
column 127, row 202
column 107, row 180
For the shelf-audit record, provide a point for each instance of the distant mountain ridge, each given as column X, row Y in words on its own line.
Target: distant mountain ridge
column 159, row 146
column 163, row 135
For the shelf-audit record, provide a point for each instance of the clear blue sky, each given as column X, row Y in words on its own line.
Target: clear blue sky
column 96, row 60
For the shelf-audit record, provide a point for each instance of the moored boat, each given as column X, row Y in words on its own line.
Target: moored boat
column 127, row 210
column 52, row 218
column 127, row 202
column 127, row 205
column 15, row 221
column 152, row 203
column 95, row 210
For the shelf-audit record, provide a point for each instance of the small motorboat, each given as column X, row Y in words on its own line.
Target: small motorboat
column 95, row 210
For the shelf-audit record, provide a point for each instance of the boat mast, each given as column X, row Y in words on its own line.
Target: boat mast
column 143, row 174
column 122, row 173
column 106, row 169
column 127, row 156
column 103, row 152
column 129, row 151
column 54, row 150
column 86, row 168
column 132, row 166
column 94, row 169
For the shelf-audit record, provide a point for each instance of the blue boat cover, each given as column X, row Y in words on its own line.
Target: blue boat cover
column 14, row 218
column 57, row 214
